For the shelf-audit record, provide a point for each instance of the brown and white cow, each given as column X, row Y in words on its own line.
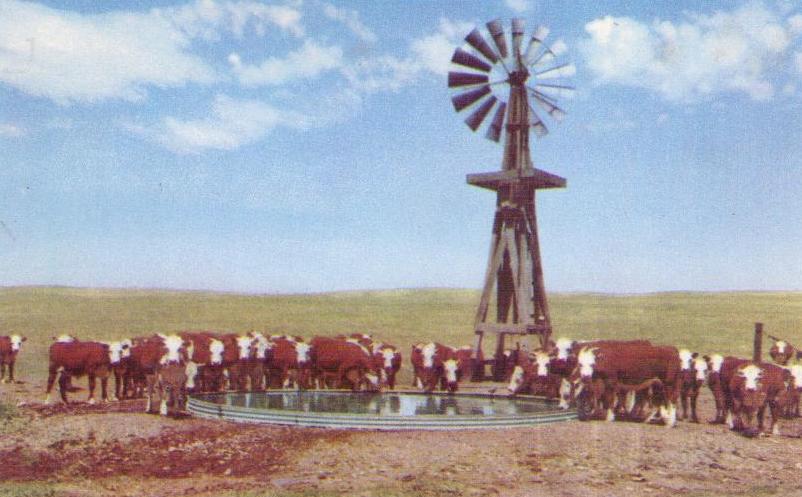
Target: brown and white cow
column 720, row 372
column 531, row 375
column 170, row 377
column 69, row 357
column 206, row 366
column 120, row 359
column 342, row 363
column 781, row 352
column 440, row 364
column 753, row 387
column 693, row 372
column 794, row 391
column 289, row 363
column 388, row 359
column 9, row 348
column 610, row 369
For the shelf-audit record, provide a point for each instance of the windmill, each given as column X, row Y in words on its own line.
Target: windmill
column 509, row 79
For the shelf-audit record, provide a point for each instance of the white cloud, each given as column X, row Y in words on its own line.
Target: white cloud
column 519, row 6
column 350, row 18
column 735, row 51
column 206, row 18
column 70, row 57
column 232, row 123
column 433, row 52
column 307, row 62
column 11, row 130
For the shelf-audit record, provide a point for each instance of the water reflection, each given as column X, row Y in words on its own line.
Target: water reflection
column 382, row 404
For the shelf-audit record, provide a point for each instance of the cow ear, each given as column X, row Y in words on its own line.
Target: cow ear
column 706, row 358
column 25, row 338
column 694, row 355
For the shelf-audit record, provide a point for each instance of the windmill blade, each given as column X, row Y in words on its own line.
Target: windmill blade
column 468, row 59
column 465, row 78
column 494, row 131
column 547, row 57
column 535, row 43
column 564, row 91
column 537, row 124
column 475, row 119
column 497, row 32
column 477, row 41
column 555, row 112
column 518, row 27
column 557, row 72
column 469, row 97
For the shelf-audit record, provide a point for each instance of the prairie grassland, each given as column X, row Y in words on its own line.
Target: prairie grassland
column 705, row 322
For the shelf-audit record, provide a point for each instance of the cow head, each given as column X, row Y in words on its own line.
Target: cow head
column 562, row 348
column 685, row 358
column 244, row 347
column 387, row 356
column 753, row 396
column 796, row 376
column 16, row 342
column 586, row 359
column 260, row 347
column 216, row 348
column 781, row 352
column 116, row 351
column 65, row 338
column 175, row 350
column 700, row 369
column 450, row 373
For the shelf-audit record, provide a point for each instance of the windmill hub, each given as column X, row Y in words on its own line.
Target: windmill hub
column 519, row 77
column 514, row 288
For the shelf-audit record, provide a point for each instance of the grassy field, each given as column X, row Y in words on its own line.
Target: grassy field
column 705, row 322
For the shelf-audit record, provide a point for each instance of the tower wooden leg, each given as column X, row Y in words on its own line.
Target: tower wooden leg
column 499, row 363
column 478, row 373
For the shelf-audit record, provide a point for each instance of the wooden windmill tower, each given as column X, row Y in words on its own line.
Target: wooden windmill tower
column 513, row 298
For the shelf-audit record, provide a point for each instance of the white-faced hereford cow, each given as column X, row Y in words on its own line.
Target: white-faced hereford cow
column 70, row 357
column 388, row 360
column 754, row 387
column 9, row 348
column 611, row 369
column 205, row 370
column 289, row 362
column 781, row 352
column 693, row 372
column 439, row 364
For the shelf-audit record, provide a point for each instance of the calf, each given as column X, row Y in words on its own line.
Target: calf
column 120, row 359
column 440, row 365
column 693, row 371
column 77, row 358
column 720, row 372
column 794, row 391
column 9, row 348
column 753, row 387
column 388, row 359
column 531, row 375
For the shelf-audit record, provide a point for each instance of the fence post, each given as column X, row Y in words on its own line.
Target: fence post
column 757, row 351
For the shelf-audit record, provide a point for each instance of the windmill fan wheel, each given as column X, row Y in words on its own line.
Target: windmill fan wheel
column 497, row 68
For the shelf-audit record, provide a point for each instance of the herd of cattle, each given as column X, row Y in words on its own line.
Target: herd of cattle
column 602, row 379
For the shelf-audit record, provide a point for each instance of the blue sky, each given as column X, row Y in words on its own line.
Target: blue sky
column 308, row 146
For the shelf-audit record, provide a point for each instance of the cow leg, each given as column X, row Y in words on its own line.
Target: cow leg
column 684, row 400
column 11, row 371
column 51, row 378
column 63, row 386
column 151, row 381
column 2, row 372
column 164, row 393
column 104, row 388
column 694, row 398
column 774, row 429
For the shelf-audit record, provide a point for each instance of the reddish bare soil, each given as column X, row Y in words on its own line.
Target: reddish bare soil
column 116, row 449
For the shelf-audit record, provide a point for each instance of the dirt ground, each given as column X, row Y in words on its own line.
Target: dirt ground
column 116, row 449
